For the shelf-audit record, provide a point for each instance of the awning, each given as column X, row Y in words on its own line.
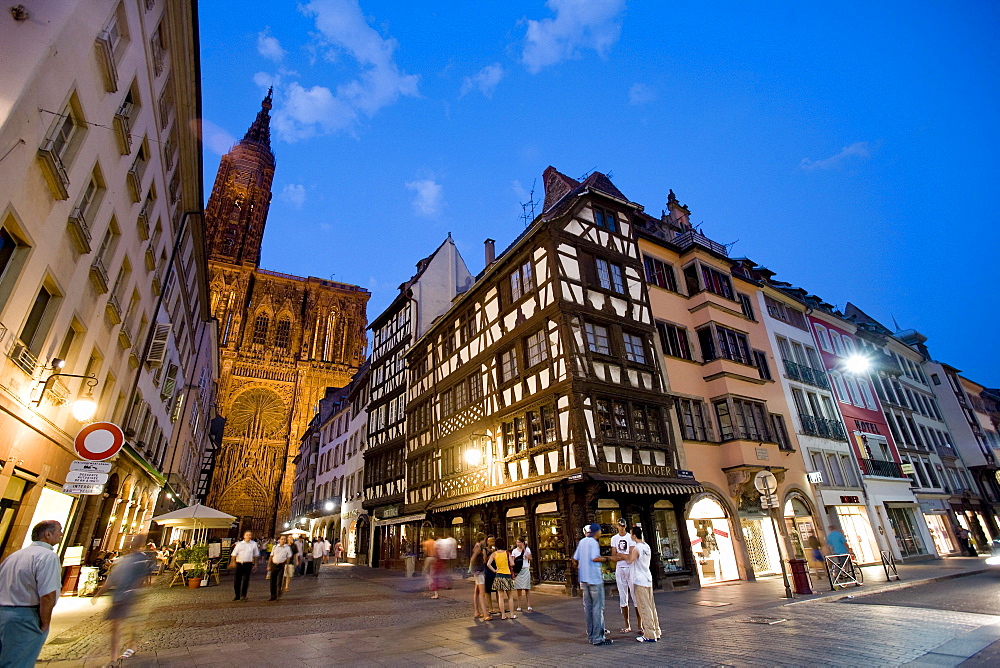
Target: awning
column 400, row 520
column 512, row 494
column 653, row 488
column 196, row 517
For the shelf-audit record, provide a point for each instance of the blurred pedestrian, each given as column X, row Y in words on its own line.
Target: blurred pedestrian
column 126, row 579
column 522, row 578
column 29, row 587
column 429, row 547
column 587, row 559
column 447, row 553
column 338, row 550
column 320, row 548
column 836, row 541
column 243, row 558
column 292, row 564
column 965, row 541
column 280, row 562
column 642, row 587
column 477, row 567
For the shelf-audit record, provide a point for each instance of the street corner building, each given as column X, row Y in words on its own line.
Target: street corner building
column 283, row 340
column 537, row 401
column 103, row 280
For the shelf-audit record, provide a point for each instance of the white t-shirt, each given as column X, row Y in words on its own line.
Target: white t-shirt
column 622, row 545
column 244, row 552
column 280, row 554
column 641, row 575
column 516, row 552
column 319, row 548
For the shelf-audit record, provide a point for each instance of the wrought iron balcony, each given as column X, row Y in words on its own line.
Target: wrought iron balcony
column 822, row 427
column 878, row 467
column 123, row 127
column 806, row 374
column 685, row 240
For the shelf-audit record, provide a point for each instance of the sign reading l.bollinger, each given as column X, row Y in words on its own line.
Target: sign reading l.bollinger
column 638, row 469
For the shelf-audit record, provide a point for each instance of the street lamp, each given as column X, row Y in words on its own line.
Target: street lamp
column 473, row 456
column 328, row 506
column 857, row 364
column 84, row 407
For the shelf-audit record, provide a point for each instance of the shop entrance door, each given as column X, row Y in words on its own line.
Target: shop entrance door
column 907, row 537
column 761, row 546
column 859, row 535
column 939, row 533
column 711, row 541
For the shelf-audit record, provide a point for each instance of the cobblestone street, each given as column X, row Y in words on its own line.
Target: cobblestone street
column 363, row 617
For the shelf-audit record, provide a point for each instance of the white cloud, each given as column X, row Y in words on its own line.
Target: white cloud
column 857, row 151
column 269, row 46
column 429, row 197
column 578, row 25
column 294, row 194
column 640, row 93
column 485, row 80
column 343, row 28
column 216, row 138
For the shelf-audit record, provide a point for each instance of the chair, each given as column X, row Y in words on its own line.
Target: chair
column 181, row 576
column 213, row 570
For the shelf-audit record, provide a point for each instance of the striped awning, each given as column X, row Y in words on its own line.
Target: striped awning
column 653, row 488
column 501, row 496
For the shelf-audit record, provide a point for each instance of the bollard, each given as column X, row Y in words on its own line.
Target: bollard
column 800, row 576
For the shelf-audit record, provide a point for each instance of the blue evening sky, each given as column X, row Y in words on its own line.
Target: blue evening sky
column 851, row 147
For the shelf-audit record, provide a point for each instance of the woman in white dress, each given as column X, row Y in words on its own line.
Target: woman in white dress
column 522, row 581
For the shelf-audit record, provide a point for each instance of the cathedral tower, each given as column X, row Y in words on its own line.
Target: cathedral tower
column 283, row 340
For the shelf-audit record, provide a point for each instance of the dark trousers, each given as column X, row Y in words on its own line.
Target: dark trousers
column 242, row 581
column 277, row 576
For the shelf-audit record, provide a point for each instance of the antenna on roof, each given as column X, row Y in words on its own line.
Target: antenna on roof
column 730, row 245
column 610, row 174
column 528, row 208
column 895, row 324
column 588, row 173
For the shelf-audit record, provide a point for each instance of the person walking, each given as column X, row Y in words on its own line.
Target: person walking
column 503, row 582
column 429, row 546
column 447, row 553
column 243, row 559
column 477, row 568
column 29, row 588
column 836, row 541
column 319, row 550
column 587, row 559
column 281, row 555
column 337, row 549
column 522, row 579
column 965, row 541
column 292, row 564
column 642, row 587
column 622, row 545
column 126, row 579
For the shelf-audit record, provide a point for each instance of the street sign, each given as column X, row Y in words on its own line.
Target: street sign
column 769, row 501
column 87, row 477
column 765, row 482
column 815, row 477
column 79, row 488
column 93, row 467
column 99, row 441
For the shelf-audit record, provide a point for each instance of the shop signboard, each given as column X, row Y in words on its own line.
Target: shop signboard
column 81, row 488
column 815, row 477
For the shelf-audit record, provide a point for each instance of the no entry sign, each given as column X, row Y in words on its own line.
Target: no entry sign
column 99, row 441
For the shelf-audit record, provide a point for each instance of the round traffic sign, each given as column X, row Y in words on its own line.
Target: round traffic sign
column 99, row 441
column 765, row 482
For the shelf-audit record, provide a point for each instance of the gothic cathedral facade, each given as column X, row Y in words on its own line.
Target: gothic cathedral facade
column 283, row 340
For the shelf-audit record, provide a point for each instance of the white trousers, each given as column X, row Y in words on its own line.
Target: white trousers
column 626, row 590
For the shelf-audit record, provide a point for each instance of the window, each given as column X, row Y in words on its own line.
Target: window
column 674, row 340
column 726, row 343
column 635, row 351
column 694, row 425
column 780, row 311
column 743, row 419
column 447, row 403
column 535, row 433
column 537, row 348
column 780, row 433
column 716, row 282
column 461, row 392
column 475, row 388
column 597, row 338
column 468, row 326
column 606, row 219
column 260, row 327
column 610, row 276
column 282, row 333
column 746, row 305
column 760, row 361
column 659, row 273
column 840, row 387
column 838, row 347
column 508, row 365
column 522, row 281
column 34, row 330
column 833, row 466
column 823, row 336
column 548, row 423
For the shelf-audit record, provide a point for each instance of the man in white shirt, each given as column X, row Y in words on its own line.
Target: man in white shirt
column 621, row 545
column 244, row 560
column 447, row 553
column 281, row 556
column 642, row 584
column 319, row 551
column 29, row 587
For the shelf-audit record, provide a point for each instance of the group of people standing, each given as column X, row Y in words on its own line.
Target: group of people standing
column 500, row 573
column 285, row 558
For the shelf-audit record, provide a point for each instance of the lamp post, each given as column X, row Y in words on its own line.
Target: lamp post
column 84, row 407
column 767, row 485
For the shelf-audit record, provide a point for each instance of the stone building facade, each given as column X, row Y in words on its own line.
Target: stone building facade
column 283, row 340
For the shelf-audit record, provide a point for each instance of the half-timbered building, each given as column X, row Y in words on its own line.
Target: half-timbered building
column 538, row 403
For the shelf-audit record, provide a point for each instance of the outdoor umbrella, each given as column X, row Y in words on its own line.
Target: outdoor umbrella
column 196, row 517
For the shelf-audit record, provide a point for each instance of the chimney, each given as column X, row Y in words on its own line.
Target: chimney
column 491, row 251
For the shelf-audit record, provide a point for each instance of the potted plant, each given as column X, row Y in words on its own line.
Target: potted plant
column 195, row 576
column 198, row 556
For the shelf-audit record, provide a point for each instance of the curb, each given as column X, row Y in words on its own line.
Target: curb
column 831, row 597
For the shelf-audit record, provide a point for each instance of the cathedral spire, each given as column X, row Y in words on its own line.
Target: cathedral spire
column 260, row 131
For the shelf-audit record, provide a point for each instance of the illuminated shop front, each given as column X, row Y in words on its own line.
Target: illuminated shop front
column 711, row 537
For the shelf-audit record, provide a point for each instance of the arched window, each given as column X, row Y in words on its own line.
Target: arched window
column 282, row 333
column 260, row 329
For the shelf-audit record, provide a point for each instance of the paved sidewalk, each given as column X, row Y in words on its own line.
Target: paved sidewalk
column 360, row 616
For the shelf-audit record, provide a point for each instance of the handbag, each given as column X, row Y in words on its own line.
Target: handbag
column 517, row 565
column 289, row 570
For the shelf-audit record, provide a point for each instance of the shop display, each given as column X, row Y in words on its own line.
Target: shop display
column 668, row 541
column 551, row 549
column 608, row 519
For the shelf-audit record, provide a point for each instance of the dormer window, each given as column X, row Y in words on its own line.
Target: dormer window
column 606, row 219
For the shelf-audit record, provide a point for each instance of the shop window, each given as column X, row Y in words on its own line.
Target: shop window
column 667, row 538
column 551, row 546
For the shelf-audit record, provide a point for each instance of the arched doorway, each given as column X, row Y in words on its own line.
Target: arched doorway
column 711, row 537
column 800, row 526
